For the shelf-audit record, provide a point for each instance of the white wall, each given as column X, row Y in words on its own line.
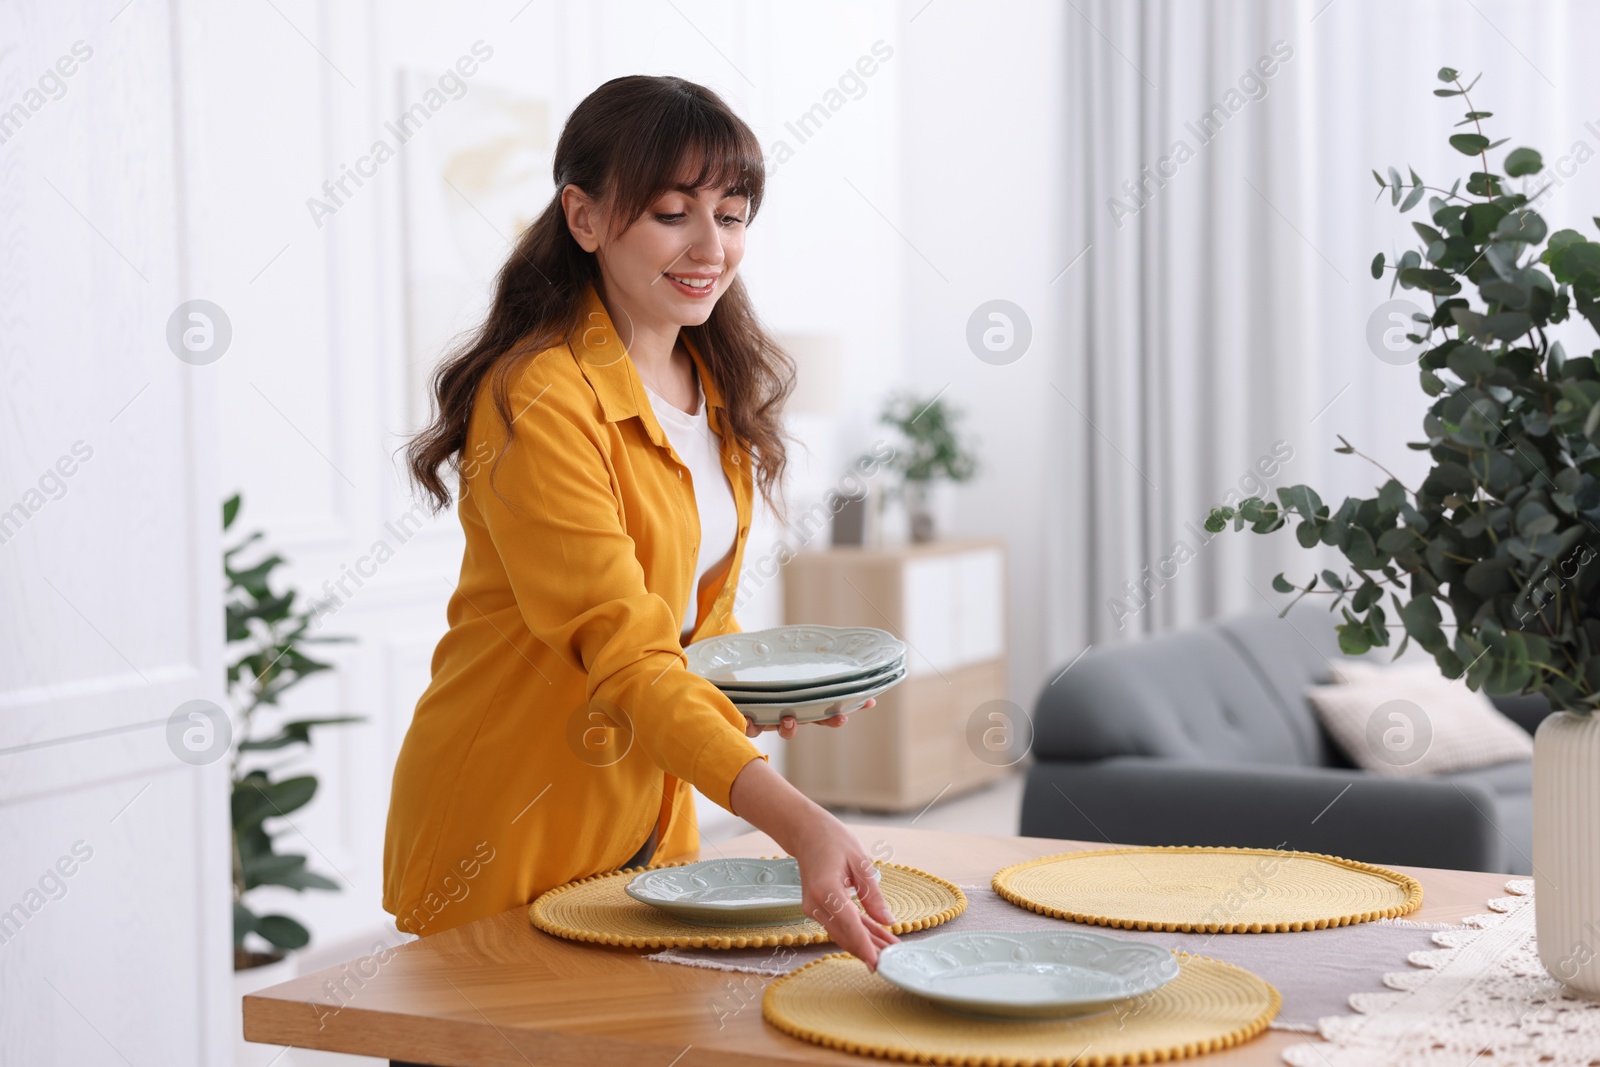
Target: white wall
column 114, row 938
column 985, row 177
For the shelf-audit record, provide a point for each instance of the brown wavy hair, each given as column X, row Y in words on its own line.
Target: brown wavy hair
column 624, row 145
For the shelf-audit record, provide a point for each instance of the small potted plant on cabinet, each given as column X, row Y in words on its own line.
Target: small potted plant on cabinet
column 931, row 452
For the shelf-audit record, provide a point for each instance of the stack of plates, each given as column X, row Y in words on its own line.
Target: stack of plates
column 810, row 672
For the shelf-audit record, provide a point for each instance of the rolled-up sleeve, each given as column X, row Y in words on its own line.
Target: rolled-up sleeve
column 557, row 526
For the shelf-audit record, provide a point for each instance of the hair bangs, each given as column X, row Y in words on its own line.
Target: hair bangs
column 686, row 145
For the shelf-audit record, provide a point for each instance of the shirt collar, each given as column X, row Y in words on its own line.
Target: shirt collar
column 615, row 380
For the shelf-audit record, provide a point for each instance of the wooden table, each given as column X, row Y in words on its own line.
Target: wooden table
column 498, row 991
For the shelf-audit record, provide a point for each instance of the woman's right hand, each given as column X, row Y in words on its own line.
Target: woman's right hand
column 831, row 859
column 832, row 862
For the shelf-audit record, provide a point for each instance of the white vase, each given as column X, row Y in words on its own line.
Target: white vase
column 1566, row 849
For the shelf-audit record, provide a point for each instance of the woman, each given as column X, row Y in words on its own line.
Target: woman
column 609, row 423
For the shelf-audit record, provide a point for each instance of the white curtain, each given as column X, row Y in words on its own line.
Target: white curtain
column 1216, row 321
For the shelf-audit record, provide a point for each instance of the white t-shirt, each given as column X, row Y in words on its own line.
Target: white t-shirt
column 698, row 446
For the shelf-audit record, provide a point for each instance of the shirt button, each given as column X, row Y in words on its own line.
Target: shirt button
column 736, row 459
column 680, row 475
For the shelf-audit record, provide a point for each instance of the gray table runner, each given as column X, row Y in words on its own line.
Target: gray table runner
column 1314, row 970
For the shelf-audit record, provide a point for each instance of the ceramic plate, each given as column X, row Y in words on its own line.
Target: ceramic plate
column 794, row 657
column 831, row 691
column 725, row 892
column 769, row 713
column 1034, row 975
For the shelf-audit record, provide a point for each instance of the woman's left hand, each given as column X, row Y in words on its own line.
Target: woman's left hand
column 788, row 723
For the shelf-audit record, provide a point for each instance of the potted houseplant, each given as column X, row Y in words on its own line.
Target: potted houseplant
column 267, row 632
column 1495, row 543
column 932, row 451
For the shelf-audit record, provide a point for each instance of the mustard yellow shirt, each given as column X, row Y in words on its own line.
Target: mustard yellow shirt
column 562, row 722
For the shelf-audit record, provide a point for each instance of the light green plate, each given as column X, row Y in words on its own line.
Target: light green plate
column 1034, row 975
column 725, row 892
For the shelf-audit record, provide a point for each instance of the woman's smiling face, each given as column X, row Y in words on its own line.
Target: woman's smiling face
column 672, row 264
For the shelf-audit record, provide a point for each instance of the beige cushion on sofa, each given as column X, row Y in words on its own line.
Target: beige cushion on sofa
column 1411, row 720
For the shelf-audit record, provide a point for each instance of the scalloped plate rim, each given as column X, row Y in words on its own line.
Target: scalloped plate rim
column 833, row 668
column 1044, row 1006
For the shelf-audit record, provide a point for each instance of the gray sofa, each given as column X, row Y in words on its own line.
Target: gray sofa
column 1204, row 737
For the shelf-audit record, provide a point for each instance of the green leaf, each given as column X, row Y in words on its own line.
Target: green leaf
column 1421, row 619
column 230, row 510
column 1508, row 325
column 1426, row 232
column 1366, row 596
column 1576, row 263
column 1561, row 239
column 1524, row 226
column 1301, row 498
column 283, row 932
column 1412, row 198
column 295, row 732
column 1362, row 550
column 1392, row 496
column 1512, row 295
column 1482, row 183
column 1353, row 639
column 1377, row 262
column 1281, row 584
column 1448, row 74
column 284, row 869
column 255, row 798
column 1397, row 540
column 1523, row 161
column 1430, row 279
column 1469, row 144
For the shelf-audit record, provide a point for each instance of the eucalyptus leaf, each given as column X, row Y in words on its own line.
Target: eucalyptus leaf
column 1523, row 161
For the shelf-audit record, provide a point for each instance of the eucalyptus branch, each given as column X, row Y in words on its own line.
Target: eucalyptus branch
column 1356, row 451
column 1477, row 123
column 1546, row 484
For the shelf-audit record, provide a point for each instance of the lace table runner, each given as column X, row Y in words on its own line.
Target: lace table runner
column 1482, row 997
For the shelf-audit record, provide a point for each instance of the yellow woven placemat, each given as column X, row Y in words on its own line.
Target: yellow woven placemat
column 1208, row 890
column 835, row 1001
column 597, row 909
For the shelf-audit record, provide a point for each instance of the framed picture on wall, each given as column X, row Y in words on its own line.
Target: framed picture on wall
column 476, row 169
